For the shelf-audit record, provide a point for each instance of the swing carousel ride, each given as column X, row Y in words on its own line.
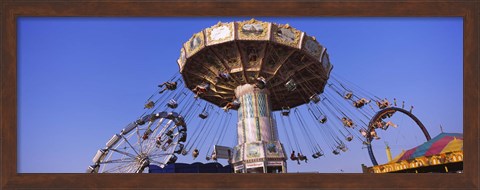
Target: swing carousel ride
column 267, row 73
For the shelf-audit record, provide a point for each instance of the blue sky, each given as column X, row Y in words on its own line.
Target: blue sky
column 81, row 80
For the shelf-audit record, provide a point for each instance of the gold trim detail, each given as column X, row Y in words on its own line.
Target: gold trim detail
column 277, row 35
column 218, row 28
column 312, row 47
column 194, row 44
column 252, row 30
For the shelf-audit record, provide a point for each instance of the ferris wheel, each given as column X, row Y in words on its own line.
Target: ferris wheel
column 153, row 139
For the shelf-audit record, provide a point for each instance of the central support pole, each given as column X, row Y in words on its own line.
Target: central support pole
column 258, row 149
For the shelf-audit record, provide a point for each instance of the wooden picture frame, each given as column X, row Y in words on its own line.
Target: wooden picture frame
column 11, row 10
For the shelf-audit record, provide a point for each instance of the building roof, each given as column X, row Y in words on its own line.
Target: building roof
column 442, row 143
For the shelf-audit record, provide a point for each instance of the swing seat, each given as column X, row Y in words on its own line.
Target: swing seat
column 291, row 85
column 260, row 83
column 182, row 129
column 146, row 134
column 384, row 127
column 172, row 159
column 149, row 105
column 183, row 137
column 319, row 154
column 203, row 115
column 236, row 104
column 302, row 158
column 140, row 122
column 348, row 95
column 363, row 132
column 195, row 153
column 349, row 138
column 390, row 114
column 315, row 98
column 285, row 111
column 336, row 152
column 179, row 149
column 358, row 104
column 170, row 140
column 224, row 75
column 172, row 104
column 169, row 133
column 323, row 119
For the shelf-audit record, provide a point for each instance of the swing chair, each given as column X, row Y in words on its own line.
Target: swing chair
column 336, row 152
column 195, row 153
column 363, row 132
column 285, row 111
column 261, row 82
column 169, row 86
column 204, row 113
column 317, row 155
column 301, row 157
column 169, row 133
column 348, row 95
column 293, row 157
column 214, row 156
column 322, row 119
column 183, row 137
column 315, row 98
column 172, row 104
column 172, row 159
column 349, row 138
column 291, row 85
column 184, row 152
column 360, row 103
column 140, row 122
column 178, row 149
column 342, row 147
column 149, row 105
column 146, row 134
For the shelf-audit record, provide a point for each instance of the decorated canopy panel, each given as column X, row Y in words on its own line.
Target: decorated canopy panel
column 251, row 49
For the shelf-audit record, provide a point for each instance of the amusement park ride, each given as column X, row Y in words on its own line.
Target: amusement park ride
column 267, row 73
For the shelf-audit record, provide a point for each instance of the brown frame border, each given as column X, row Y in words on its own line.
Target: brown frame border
column 10, row 10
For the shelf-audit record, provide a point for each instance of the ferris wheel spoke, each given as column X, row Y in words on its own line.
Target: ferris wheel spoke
column 121, row 160
column 161, row 134
column 165, row 127
column 151, row 146
column 158, row 124
column 118, row 168
column 124, row 153
column 133, row 148
column 134, row 168
column 139, row 137
column 158, row 155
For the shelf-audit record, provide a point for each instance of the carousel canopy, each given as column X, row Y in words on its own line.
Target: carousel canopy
column 243, row 51
column 443, row 143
